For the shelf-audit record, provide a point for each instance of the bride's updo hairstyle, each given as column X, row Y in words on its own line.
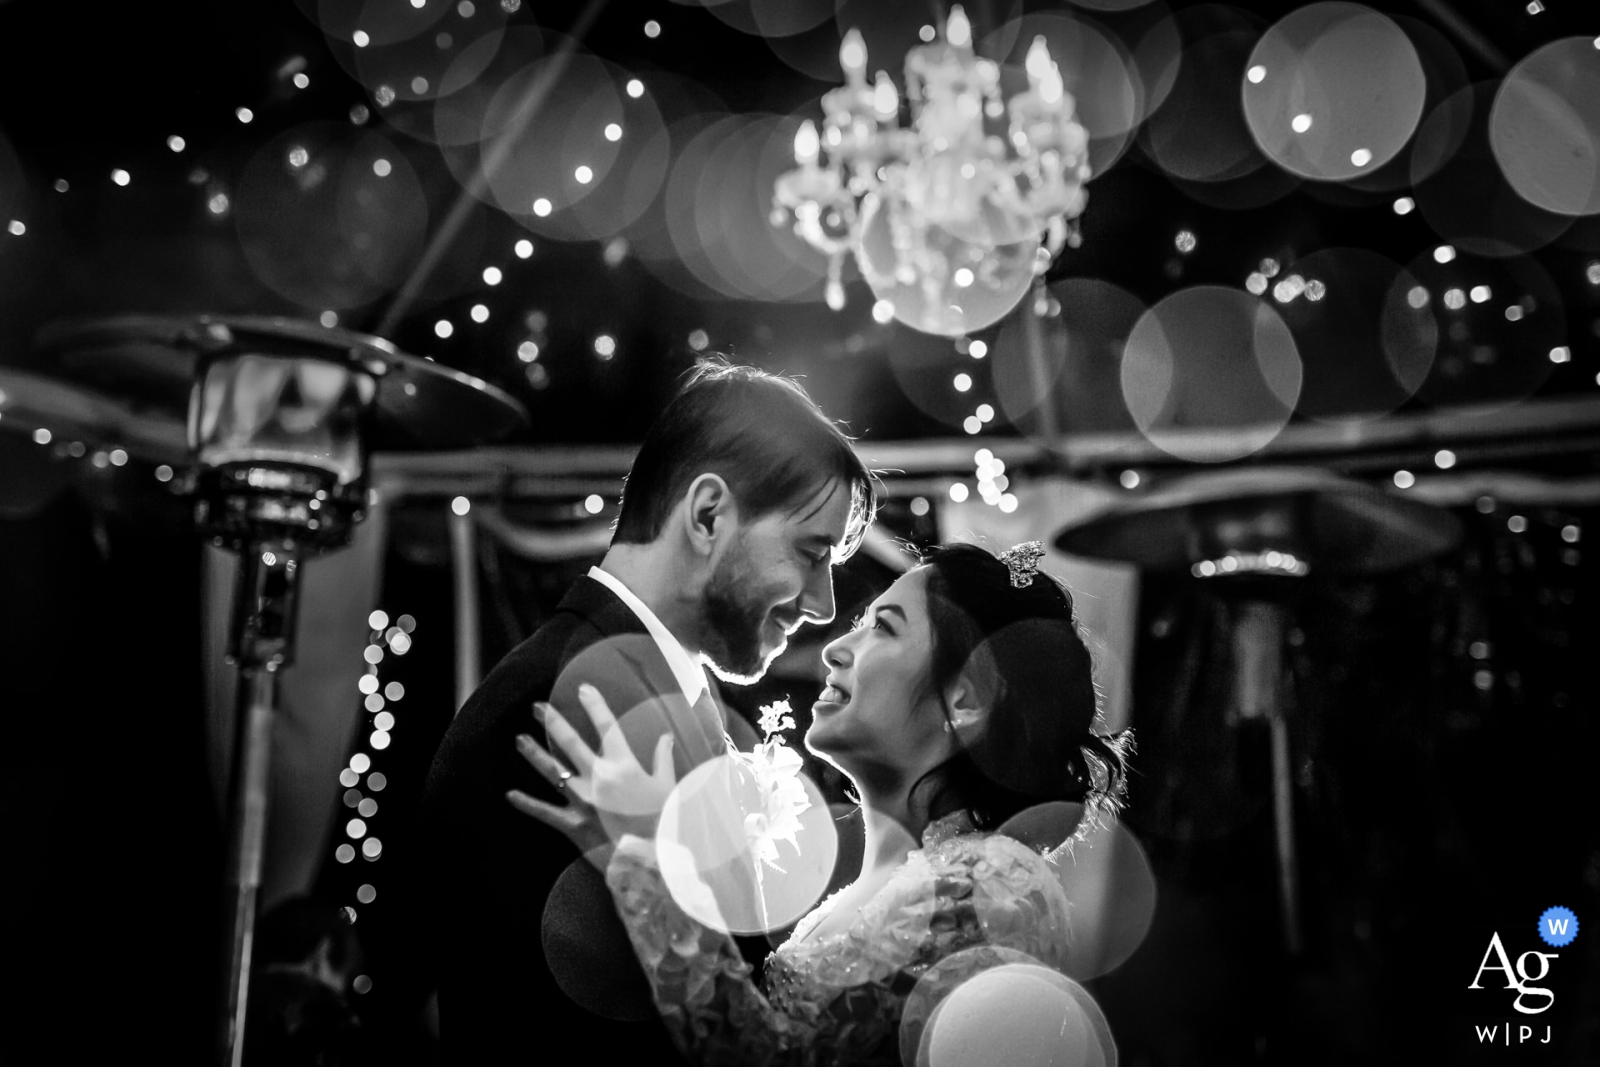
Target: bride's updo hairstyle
column 1023, row 650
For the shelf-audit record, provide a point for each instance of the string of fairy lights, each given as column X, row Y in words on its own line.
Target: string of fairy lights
column 296, row 74
column 360, row 779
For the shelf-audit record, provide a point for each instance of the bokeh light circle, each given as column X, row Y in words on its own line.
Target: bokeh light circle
column 1078, row 365
column 925, row 366
column 707, row 859
column 1010, row 1014
column 814, row 53
column 970, row 287
column 1444, row 73
column 949, row 983
column 1493, row 352
column 715, row 234
column 732, row 204
column 583, row 942
column 529, row 158
column 772, row 18
column 630, row 187
column 1544, row 127
column 457, row 118
column 1467, row 200
column 1333, row 90
column 642, row 716
column 1157, row 54
column 1364, row 347
column 451, row 55
column 317, row 222
column 1107, row 877
column 655, row 240
column 1199, row 133
column 1211, row 358
column 377, row 22
column 1110, row 5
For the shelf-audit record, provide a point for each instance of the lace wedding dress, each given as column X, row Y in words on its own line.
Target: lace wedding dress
column 840, row 999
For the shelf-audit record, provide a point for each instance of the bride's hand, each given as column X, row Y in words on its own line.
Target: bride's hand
column 611, row 780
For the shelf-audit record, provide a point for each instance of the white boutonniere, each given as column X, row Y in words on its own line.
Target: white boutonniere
column 774, row 768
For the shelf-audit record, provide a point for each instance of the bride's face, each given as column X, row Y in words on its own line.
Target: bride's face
column 878, row 718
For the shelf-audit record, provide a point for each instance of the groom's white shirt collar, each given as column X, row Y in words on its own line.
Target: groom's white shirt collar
column 691, row 677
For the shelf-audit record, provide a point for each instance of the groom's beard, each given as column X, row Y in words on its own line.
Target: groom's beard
column 734, row 620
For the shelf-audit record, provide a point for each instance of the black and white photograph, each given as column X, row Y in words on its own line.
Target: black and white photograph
column 800, row 533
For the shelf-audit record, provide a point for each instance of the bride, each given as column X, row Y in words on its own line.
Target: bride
column 960, row 705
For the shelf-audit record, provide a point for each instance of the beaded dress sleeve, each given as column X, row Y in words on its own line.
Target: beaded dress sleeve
column 838, row 1000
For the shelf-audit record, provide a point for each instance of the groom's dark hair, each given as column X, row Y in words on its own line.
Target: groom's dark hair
column 761, row 433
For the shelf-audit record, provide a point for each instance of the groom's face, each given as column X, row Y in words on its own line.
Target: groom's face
column 776, row 573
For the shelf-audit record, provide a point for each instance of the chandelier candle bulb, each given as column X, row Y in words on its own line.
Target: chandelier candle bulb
column 853, row 57
column 885, row 99
column 807, row 145
column 958, row 29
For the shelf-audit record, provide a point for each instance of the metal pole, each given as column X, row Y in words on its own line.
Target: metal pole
column 1258, row 635
column 1283, row 819
column 258, row 699
column 464, row 559
column 264, row 606
column 1044, row 386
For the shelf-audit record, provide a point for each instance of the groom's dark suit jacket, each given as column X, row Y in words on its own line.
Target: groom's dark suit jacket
column 532, row 959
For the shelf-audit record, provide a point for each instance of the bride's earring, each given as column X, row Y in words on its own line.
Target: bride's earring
column 949, row 727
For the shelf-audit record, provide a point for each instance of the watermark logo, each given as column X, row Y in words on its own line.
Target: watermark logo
column 1558, row 927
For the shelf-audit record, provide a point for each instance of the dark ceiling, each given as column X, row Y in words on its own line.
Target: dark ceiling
column 88, row 88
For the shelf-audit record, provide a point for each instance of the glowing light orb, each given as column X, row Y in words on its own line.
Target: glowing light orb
column 992, row 1004
column 933, row 298
column 1342, row 88
column 709, row 860
column 1182, row 372
column 1008, row 1015
column 1544, row 127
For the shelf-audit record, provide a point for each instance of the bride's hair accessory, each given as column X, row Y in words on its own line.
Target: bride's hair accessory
column 1023, row 562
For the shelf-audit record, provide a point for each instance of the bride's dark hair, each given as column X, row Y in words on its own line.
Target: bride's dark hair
column 1023, row 649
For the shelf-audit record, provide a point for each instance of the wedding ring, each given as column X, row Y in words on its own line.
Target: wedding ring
column 561, row 782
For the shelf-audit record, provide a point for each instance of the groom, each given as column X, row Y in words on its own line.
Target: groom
column 741, row 498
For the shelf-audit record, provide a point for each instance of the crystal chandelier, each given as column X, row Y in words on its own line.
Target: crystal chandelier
column 951, row 218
